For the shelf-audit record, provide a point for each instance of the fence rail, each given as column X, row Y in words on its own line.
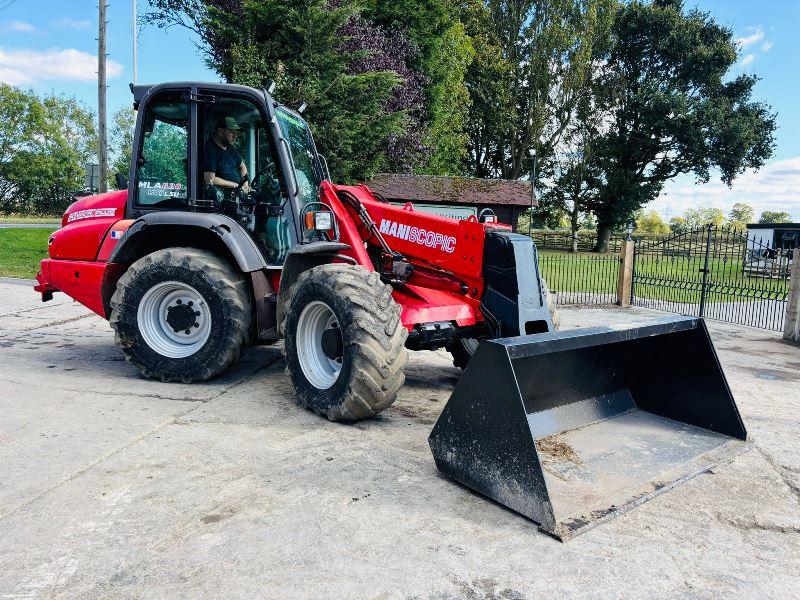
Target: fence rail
column 577, row 278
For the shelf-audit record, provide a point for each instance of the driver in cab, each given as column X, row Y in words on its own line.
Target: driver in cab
column 223, row 166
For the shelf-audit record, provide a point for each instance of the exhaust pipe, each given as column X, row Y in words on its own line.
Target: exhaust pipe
column 573, row 428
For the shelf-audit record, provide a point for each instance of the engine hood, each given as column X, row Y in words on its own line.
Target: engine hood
column 110, row 204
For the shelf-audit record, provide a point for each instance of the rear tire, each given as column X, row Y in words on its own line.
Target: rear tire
column 463, row 349
column 344, row 342
column 181, row 314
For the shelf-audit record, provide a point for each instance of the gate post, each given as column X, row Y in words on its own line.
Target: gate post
column 704, row 271
column 625, row 277
column 791, row 327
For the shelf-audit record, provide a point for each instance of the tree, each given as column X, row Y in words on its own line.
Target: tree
column 677, row 224
column 444, row 51
column 44, row 145
column 320, row 52
column 17, row 117
column 651, row 222
column 771, row 216
column 740, row 215
column 742, row 212
column 698, row 217
column 670, row 108
column 121, row 141
column 449, row 103
column 531, row 69
column 575, row 177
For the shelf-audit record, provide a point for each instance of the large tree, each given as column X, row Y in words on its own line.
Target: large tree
column 45, row 142
column 575, row 177
column 531, row 70
column 362, row 100
column 671, row 107
column 123, row 123
column 443, row 54
column 774, row 216
column 740, row 215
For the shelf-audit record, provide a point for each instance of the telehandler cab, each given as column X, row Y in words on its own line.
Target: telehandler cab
column 190, row 270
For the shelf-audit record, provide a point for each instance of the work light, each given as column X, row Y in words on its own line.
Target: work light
column 319, row 221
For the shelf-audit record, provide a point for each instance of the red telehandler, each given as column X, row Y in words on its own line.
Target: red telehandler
column 191, row 268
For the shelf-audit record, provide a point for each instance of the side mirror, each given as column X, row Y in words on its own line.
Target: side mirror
column 122, row 181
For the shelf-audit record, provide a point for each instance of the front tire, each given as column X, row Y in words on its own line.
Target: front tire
column 344, row 342
column 181, row 314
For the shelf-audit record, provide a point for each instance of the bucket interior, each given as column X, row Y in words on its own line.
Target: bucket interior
column 616, row 422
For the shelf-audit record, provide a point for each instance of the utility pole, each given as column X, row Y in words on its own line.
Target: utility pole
column 532, row 152
column 134, row 26
column 102, row 146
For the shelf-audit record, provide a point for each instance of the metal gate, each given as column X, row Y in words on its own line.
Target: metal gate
column 714, row 272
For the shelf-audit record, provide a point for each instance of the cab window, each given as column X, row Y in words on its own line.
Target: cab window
column 237, row 145
column 301, row 144
column 162, row 166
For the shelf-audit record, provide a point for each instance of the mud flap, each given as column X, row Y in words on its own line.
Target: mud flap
column 573, row 428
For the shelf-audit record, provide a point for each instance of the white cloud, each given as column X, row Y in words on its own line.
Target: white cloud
column 26, row 67
column 70, row 23
column 18, row 27
column 775, row 187
column 747, row 43
column 748, row 40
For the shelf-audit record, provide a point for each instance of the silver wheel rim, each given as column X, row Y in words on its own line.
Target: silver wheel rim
column 157, row 327
column 320, row 371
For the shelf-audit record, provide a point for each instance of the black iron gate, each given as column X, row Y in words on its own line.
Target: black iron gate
column 715, row 272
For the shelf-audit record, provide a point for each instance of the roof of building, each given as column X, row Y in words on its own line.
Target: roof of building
column 451, row 190
column 773, row 225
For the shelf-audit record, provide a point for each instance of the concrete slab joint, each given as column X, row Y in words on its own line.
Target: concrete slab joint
column 791, row 328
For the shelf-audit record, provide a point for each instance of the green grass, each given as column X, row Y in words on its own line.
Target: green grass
column 580, row 272
column 21, row 250
column 43, row 219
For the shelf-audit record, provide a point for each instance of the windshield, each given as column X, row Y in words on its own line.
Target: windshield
column 296, row 132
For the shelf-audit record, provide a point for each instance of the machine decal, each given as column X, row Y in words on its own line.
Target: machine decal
column 416, row 235
column 91, row 213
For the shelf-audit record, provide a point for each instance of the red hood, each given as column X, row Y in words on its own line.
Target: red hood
column 99, row 205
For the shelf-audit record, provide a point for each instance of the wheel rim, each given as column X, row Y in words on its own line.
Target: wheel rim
column 174, row 319
column 320, row 370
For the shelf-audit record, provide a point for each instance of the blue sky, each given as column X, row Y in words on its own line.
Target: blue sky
column 51, row 45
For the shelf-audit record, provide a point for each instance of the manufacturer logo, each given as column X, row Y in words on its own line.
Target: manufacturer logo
column 91, row 213
column 416, row 235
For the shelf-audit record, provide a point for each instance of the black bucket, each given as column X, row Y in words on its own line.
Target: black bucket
column 572, row 428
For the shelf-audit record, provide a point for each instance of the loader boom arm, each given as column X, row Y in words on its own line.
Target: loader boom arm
column 445, row 253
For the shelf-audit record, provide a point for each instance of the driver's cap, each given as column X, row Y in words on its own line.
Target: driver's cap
column 228, row 123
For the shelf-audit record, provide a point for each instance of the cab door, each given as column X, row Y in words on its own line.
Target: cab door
column 162, row 169
column 274, row 224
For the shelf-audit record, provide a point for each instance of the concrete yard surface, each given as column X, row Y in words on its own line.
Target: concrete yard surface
column 112, row 486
